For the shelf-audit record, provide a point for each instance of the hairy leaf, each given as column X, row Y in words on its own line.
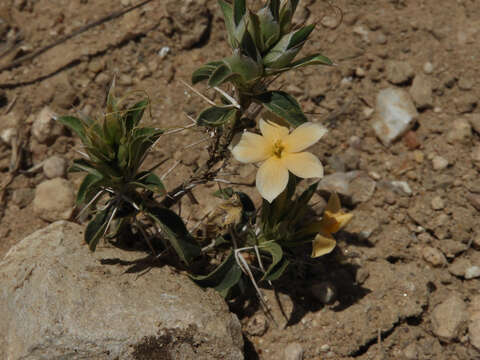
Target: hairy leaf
column 216, row 116
column 283, row 105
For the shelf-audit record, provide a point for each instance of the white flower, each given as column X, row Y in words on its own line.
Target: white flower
column 280, row 152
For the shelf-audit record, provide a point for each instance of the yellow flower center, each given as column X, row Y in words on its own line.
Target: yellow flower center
column 278, row 148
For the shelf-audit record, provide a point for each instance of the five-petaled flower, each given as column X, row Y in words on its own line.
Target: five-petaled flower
column 280, row 152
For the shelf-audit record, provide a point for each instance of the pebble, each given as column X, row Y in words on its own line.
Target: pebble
column 362, row 189
column 329, row 22
column 55, row 166
column 475, row 122
column 421, row 92
column 23, row 197
column 459, row 267
column 325, row 292
column 474, row 200
column 44, row 128
column 418, row 156
column 434, row 256
column 380, row 38
column 439, row 163
column 402, row 186
column 428, row 68
column 475, row 154
column 8, row 127
column 466, row 83
column 257, row 325
column 54, row 200
column 466, row 103
column 7, row 136
column 395, row 114
column 361, row 275
column 125, row 80
column 411, row 352
column 452, row 248
column 96, row 65
column 293, row 351
column 472, row 272
column 460, row 131
column 449, row 317
column 476, row 243
column 338, row 182
column 437, row 203
column 474, row 330
column 398, row 72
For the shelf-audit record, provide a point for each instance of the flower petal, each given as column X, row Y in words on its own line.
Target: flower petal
column 252, row 148
column 303, row 137
column 323, row 245
column 304, row 165
column 271, row 131
column 272, row 178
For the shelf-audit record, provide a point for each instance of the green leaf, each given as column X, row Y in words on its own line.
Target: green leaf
column 223, row 278
column 175, row 232
column 216, row 116
column 221, row 74
column 229, row 23
column 239, row 11
column 151, row 182
column 204, row 72
column 299, row 209
column 298, row 37
column 224, row 194
column 97, row 227
column 276, row 252
column 274, row 6
column 88, row 182
column 283, row 105
column 84, row 165
column 135, row 114
column 244, row 66
column 315, row 59
column 74, row 124
column 286, row 15
column 269, row 28
column 248, row 208
column 142, row 141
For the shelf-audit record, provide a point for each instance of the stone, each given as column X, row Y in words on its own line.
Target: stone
column 472, row 272
column 338, row 182
column 398, row 72
column 23, row 197
column 428, row 68
column 395, row 114
column 474, row 330
column 257, row 325
column 60, row 301
column 54, row 200
column 434, row 256
column 476, row 242
column 439, row 163
column 325, row 292
column 452, row 248
column 8, row 127
column 362, row 188
column 449, row 318
column 460, row 131
column 293, row 351
column 329, row 22
column 421, row 92
column 411, row 352
column 475, row 122
column 475, row 154
column 45, row 128
column 474, row 200
column 459, row 267
column 466, row 103
column 401, row 187
column 437, row 203
column 55, row 166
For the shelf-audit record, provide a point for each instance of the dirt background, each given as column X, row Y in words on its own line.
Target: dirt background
column 399, row 289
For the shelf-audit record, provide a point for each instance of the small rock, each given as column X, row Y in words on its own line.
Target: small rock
column 360, row 72
column 362, row 188
column 45, row 128
column 474, row 330
column 472, row 272
column 361, row 276
column 55, row 166
column 460, row 131
column 411, row 352
column 125, row 80
column 395, row 114
column 293, row 351
column 466, row 83
column 449, row 317
column 428, row 68
column 325, row 292
column 54, row 200
column 7, row 136
column 418, row 156
column 459, row 267
column 466, row 103
column 398, row 72
column 402, row 186
column 23, row 197
column 437, row 203
column 439, row 163
column 421, row 92
column 434, row 256
column 411, row 140
column 476, row 243
column 361, row 31
column 475, row 122
column 380, row 38
column 8, row 127
column 329, row 22
column 474, row 200
column 452, row 248
column 257, row 325
column 338, row 182
column 96, row 65
column 475, row 154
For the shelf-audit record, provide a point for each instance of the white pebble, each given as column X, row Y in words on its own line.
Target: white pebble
column 428, row 67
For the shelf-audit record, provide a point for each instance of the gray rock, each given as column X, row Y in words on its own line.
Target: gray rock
column 401, row 187
column 395, row 114
column 434, row 256
column 472, row 272
column 460, row 131
column 474, row 330
column 362, row 188
column 55, row 166
column 60, row 302
column 293, row 351
column 421, row 92
column 338, row 182
column 44, row 128
column 54, row 200
column 449, row 318
column 398, row 72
